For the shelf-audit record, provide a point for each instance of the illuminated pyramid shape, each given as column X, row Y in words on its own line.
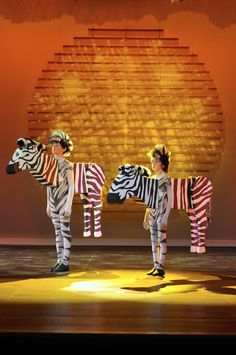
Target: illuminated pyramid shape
column 118, row 92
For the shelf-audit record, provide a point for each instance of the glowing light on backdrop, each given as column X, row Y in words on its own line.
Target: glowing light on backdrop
column 118, row 92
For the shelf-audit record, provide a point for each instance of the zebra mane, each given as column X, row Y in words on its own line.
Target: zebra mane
column 28, row 142
column 129, row 169
column 143, row 170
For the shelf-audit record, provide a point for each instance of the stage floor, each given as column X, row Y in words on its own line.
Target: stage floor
column 107, row 295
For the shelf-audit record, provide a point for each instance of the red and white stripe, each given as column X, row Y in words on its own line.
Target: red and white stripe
column 81, row 185
column 180, row 198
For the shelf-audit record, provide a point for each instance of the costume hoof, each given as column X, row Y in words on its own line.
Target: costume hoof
column 97, row 234
column 86, row 234
column 151, row 271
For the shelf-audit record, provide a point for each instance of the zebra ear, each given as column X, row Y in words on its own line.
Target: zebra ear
column 21, row 142
column 124, row 167
column 33, row 142
column 142, row 170
column 147, row 172
column 42, row 147
column 135, row 168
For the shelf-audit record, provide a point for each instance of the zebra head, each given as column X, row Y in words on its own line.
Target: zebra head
column 126, row 183
column 25, row 156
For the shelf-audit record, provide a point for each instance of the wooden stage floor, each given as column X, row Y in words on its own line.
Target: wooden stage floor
column 107, row 297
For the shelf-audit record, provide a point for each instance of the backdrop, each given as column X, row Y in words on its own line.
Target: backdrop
column 32, row 32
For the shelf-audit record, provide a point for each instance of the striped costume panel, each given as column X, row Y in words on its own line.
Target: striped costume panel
column 50, row 171
column 89, row 178
column 180, row 193
column 148, row 191
column 46, row 170
column 202, row 191
column 80, row 178
column 95, row 178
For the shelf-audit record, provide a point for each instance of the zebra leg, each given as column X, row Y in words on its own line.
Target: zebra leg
column 59, row 238
column 155, row 245
column 97, row 206
column 197, row 233
column 63, row 241
column 202, row 227
column 67, row 239
column 87, row 206
column 162, row 242
column 194, row 230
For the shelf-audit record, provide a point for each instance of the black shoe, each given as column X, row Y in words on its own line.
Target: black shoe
column 62, row 268
column 53, row 268
column 151, row 271
column 159, row 272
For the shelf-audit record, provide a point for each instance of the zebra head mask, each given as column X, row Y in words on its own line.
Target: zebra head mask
column 31, row 156
column 127, row 183
column 25, row 155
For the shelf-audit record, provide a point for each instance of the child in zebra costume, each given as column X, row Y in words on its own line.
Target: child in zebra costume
column 156, row 219
column 60, row 198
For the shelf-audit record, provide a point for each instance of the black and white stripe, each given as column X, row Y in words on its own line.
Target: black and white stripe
column 134, row 181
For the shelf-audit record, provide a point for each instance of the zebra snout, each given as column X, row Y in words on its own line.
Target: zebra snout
column 114, row 198
column 12, row 168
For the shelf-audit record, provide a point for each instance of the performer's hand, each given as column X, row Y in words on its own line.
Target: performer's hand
column 146, row 225
column 146, row 219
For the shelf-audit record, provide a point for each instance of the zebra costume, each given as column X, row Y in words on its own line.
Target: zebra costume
column 155, row 219
column 59, row 203
column 86, row 179
column 192, row 194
